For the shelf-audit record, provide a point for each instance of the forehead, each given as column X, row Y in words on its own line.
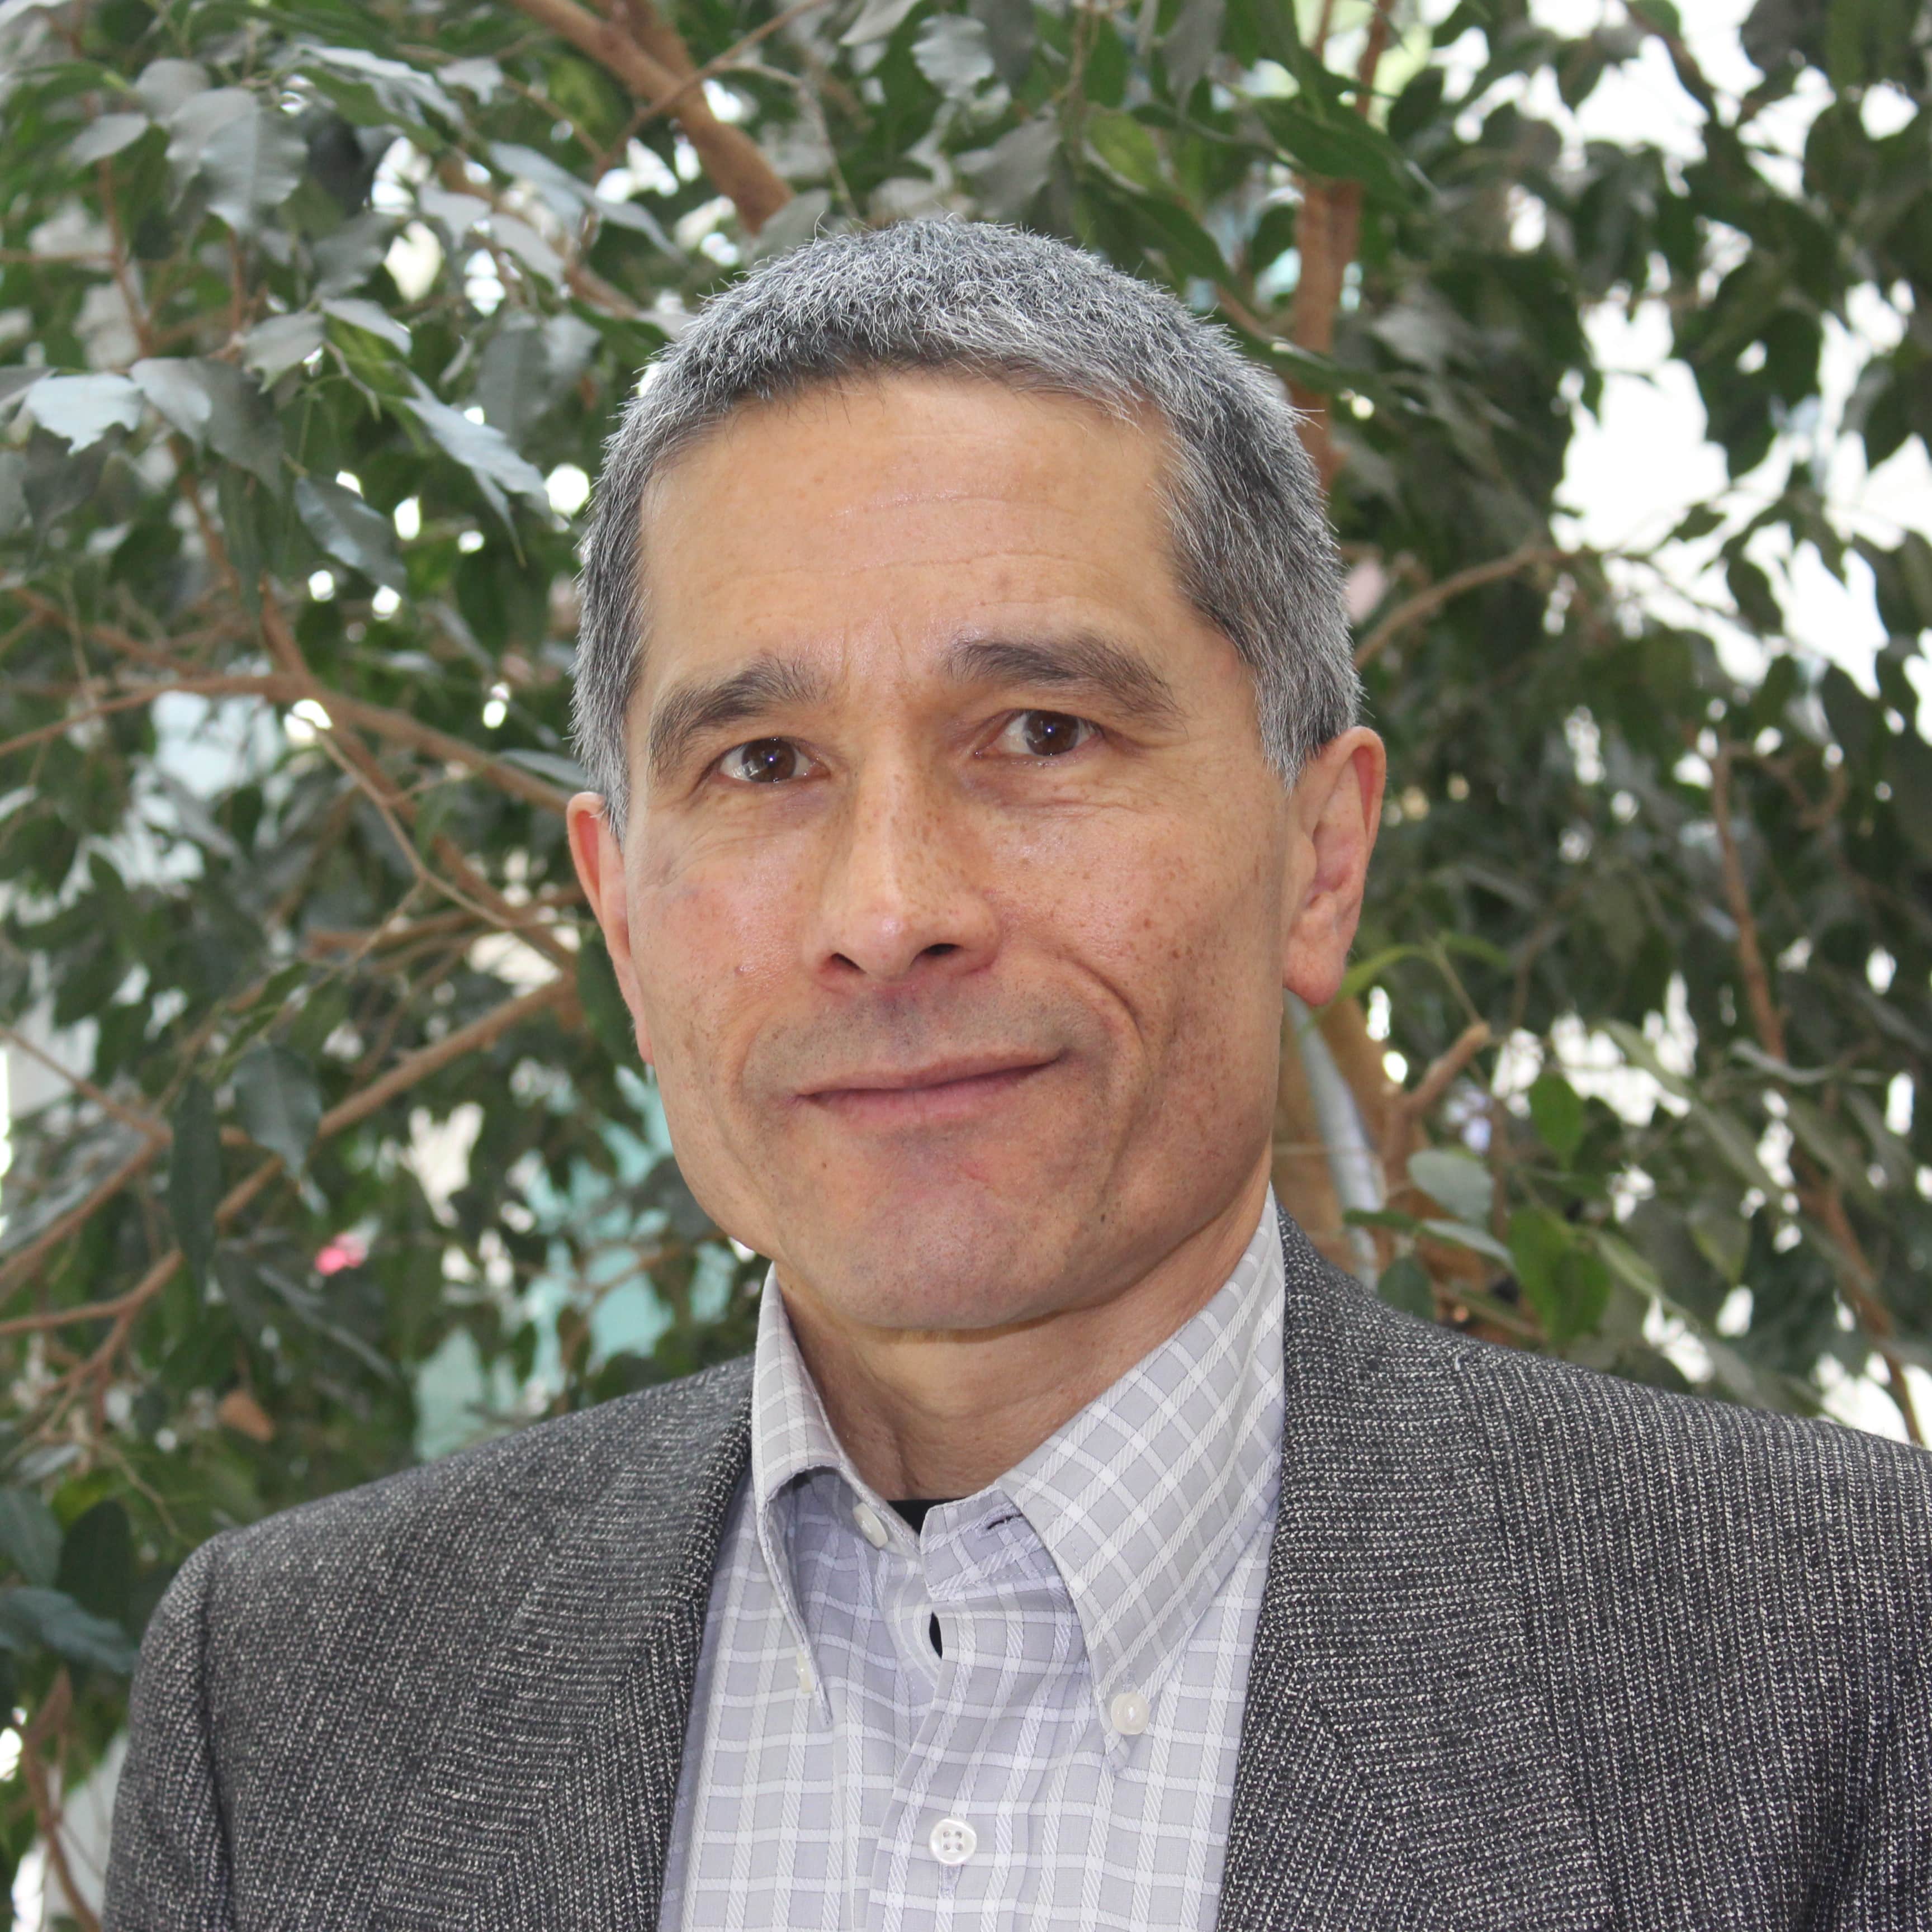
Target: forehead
column 904, row 508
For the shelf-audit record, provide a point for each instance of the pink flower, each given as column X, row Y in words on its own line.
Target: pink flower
column 345, row 1251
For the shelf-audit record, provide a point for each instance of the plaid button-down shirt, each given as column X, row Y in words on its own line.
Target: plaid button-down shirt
column 1068, row 1760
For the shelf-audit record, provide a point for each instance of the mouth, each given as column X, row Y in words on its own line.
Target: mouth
column 944, row 1091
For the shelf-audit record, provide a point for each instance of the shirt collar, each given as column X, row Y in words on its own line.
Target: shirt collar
column 1145, row 1499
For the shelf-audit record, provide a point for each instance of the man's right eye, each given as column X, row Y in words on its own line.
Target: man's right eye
column 764, row 761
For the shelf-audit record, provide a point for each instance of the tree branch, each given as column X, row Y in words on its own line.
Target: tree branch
column 482, row 1032
column 730, row 57
column 19, row 1267
column 397, row 726
column 1426, row 603
column 479, row 1033
column 651, row 60
column 1820, row 1195
column 1328, row 231
column 50, row 1719
column 1766, row 1017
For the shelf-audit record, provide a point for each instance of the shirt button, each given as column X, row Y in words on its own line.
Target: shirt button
column 1130, row 1713
column 870, row 1527
column 804, row 1671
column 954, row 1841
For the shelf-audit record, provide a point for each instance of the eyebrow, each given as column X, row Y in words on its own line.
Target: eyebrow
column 1083, row 663
column 690, row 712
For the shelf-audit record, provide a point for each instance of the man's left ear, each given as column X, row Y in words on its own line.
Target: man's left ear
column 1335, row 811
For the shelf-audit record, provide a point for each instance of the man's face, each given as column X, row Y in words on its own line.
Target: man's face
column 957, row 896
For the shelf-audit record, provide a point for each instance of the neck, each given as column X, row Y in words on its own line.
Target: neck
column 944, row 1412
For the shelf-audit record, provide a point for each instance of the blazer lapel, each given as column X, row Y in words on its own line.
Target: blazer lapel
column 548, row 1804
column 1397, row 1767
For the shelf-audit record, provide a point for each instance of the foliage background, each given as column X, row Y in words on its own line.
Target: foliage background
column 313, row 318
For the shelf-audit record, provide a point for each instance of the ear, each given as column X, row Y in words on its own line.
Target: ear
column 600, row 870
column 1337, row 809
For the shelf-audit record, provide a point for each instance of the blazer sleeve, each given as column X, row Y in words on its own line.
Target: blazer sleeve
column 168, row 1861
column 1891, row 1884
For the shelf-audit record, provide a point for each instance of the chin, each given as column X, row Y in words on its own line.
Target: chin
column 965, row 1258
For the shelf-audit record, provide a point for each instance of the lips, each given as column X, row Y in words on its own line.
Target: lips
column 941, row 1094
column 939, row 1074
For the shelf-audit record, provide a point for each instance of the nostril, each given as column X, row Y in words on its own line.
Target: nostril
column 939, row 951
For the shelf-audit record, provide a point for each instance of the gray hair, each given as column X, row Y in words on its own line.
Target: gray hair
column 1253, row 551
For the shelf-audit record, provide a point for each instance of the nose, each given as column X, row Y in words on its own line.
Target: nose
column 900, row 896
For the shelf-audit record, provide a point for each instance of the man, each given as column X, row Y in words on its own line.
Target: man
column 964, row 674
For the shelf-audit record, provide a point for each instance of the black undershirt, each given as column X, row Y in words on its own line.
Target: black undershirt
column 915, row 1510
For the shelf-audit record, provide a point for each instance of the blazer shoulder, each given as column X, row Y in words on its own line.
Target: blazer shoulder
column 1621, row 1432
column 1646, row 1435
column 493, row 1507
column 1600, row 1464
column 1756, row 1517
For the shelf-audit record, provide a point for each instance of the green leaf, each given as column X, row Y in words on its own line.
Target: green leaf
column 250, row 165
column 1128, row 149
column 1908, row 770
column 1723, row 1238
column 1733, row 1141
column 16, row 380
column 565, row 773
column 1009, row 34
column 107, row 135
column 352, row 533
column 31, row 1618
column 1008, row 174
column 1404, row 1285
column 953, row 52
column 1460, row 1183
column 602, row 1000
column 273, row 347
column 1538, row 1240
column 1364, row 973
column 561, row 191
column 1756, row 601
column 280, row 1103
column 1343, row 147
column 176, row 386
column 215, row 403
column 1829, row 1145
column 97, row 1561
column 1556, row 1111
column 370, row 318
column 1191, row 44
column 14, row 512
column 1462, row 1234
column 877, row 20
column 194, row 1178
column 484, row 452
column 82, row 409
column 30, row 1535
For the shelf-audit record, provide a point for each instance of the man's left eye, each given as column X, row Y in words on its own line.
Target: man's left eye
column 766, row 761
column 1043, row 734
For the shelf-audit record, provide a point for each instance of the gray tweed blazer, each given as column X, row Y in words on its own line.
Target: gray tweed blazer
column 1540, row 1649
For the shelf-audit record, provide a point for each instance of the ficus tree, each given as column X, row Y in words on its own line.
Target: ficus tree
column 330, row 1142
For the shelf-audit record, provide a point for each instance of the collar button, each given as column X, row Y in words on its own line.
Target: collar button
column 1129, row 1713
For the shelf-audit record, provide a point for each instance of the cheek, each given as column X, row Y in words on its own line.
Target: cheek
column 713, row 936
column 1167, row 909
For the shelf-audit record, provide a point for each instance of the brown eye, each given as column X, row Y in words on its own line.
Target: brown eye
column 1046, row 734
column 763, row 761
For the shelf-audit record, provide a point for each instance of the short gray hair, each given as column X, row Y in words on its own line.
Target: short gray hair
column 1253, row 551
